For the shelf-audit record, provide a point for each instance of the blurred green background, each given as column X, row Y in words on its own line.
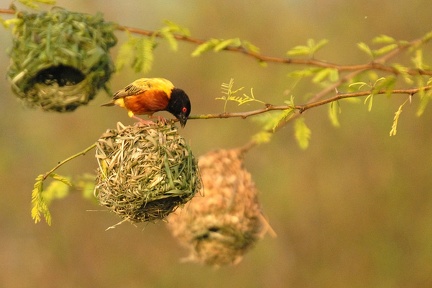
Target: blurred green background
column 354, row 210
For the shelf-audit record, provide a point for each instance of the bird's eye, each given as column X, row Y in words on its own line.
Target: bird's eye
column 184, row 109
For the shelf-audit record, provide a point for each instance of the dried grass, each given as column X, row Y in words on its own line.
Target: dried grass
column 145, row 172
column 219, row 228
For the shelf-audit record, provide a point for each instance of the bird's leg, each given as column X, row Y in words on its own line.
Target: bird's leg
column 159, row 119
column 142, row 121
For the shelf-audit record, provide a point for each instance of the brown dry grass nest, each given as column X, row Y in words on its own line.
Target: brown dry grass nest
column 145, row 172
column 219, row 228
column 60, row 59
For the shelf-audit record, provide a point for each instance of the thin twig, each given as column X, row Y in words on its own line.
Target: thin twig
column 377, row 64
column 309, row 105
column 69, row 159
column 374, row 65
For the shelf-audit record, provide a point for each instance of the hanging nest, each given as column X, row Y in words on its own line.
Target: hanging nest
column 222, row 226
column 59, row 59
column 145, row 172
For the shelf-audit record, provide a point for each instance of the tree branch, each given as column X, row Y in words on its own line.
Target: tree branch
column 82, row 153
column 310, row 105
column 377, row 64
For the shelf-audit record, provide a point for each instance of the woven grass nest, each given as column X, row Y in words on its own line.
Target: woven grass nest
column 219, row 228
column 145, row 172
column 59, row 59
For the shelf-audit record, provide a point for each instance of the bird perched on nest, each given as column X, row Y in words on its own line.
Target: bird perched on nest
column 150, row 95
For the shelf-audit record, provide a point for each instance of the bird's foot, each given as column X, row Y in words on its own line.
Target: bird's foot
column 144, row 122
column 162, row 120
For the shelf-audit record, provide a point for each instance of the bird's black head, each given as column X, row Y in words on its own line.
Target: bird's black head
column 179, row 105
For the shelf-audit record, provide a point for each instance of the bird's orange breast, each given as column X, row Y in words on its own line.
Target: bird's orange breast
column 148, row 102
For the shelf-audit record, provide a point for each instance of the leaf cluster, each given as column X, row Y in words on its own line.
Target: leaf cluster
column 217, row 45
column 59, row 188
column 231, row 94
column 137, row 51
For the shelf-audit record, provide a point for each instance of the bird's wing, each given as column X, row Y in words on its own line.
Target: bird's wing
column 141, row 85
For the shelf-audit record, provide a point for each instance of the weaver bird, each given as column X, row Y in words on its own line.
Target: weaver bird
column 150, row 95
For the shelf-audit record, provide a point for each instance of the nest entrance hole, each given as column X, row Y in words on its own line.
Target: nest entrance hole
column 62, row 75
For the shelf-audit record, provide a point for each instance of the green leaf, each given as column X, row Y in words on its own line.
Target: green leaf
column 393, row 130
column 204, row 47
column 318, row 46
column 333, row 112
column 170, row 30
column 369, row 100
column 33, row 3
column 302, row 133
column 169, row 36
column 386, row 83
column 223, row 44
column 126, row 52
column 55, row 190
column 383, row 39
column 262, row 137
column 270, row 121
column 424, row 101
column 359, row 84
column 250, row 47
column 403, row 70
column 63, row 179
column 9, row 22
column 419, row 61
column 330, row 73
column 310, row 49
column 427, row 37
column 299, row 50
column 39, row 207
column 137, row 52
column 176, row 28
column 303, row 72
column 144, row 55
column 384, row 50
column 365, row 48
column 424, row 96
column 86, row 184
column 230, row 94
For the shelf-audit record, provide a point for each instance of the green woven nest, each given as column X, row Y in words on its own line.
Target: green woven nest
column 145, row 172
column 59, row 59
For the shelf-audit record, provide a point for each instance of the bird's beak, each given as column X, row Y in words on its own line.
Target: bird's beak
column 183, row 119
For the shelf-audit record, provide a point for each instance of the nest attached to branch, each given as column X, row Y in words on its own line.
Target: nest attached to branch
column 219, row 228
column 145, row 172
column 59, row 59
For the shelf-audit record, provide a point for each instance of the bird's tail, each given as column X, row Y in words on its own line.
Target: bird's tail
column 109, row 104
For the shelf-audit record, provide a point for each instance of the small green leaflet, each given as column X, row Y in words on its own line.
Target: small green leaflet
column 218, row 45
column 38, row 204
column 383, row 39
column 309, row 49
column 393, row 129
column 41, row 198
column 33, row 3
column 333, row 112
column 365, row 48
column 302, row 133
column 262, row 137
column 223, row 44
